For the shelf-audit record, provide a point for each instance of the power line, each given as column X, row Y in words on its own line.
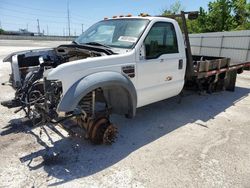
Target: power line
column 32, row 8
column 34, row 27
column 39, row 15
column 73, row 22
column 28, row 13
column 44, row 20
column 76, row 17
column 69, row 18
column 35, row 24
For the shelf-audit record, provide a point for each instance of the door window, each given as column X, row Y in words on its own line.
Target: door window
column 160, row 40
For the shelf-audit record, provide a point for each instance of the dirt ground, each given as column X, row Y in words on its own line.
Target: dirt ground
column 204, row 141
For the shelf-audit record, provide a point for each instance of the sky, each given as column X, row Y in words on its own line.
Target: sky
column 52, row 14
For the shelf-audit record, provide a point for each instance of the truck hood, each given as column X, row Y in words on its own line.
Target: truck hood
column 9, row 57
column 93, row 63
column 52, row 57
column 71, row 72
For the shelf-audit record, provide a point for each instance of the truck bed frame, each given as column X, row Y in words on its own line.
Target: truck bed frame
column 207, row 72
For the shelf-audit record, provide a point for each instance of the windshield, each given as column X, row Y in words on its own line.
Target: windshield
column 120, row 33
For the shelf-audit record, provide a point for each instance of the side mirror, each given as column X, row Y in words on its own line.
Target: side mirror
column 193, row 15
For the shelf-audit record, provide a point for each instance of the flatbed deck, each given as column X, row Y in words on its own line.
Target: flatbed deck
column 205, row 66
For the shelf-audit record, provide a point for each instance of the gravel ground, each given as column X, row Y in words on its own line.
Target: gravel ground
column 202, row 142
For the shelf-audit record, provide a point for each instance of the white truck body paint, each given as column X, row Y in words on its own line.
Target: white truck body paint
column 15, row 71
column 151, row 78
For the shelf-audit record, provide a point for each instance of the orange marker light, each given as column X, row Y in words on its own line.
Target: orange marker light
column 144, row 15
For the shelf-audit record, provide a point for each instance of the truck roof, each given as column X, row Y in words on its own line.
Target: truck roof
column 141, row 17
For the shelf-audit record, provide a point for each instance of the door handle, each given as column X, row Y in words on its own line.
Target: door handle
column 180, row 64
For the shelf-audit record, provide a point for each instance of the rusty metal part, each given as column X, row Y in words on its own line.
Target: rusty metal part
column 87, row 104
column 99, row 130
column 110, row 134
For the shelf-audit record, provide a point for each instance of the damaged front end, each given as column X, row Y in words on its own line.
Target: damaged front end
column 31, row 61
column 91, row 116
column 39, row 97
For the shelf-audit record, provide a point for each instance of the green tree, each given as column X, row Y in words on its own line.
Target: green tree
column 241, row 11
column 219, row 16
column 1, row 31
column 222, row 15
column 175, row 8
column 199, row 25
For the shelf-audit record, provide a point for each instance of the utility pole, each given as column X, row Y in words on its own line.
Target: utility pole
column 68, row 17
column 64, row 32
column 0, row 25
column 38, row 27
column 47, row 30
column 82, row 28
column 27, row 27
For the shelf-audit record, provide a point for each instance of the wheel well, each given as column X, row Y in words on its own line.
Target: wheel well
column 119, row 93
column 119, row 100
column 114, row 98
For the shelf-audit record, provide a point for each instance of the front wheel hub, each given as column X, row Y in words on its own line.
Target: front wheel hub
column 102, row 131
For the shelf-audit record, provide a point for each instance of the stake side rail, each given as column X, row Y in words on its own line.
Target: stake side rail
column 206, row 74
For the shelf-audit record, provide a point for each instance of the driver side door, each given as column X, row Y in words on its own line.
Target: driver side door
column 161, row 72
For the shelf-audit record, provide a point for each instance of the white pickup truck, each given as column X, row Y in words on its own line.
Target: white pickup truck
column 115, row 67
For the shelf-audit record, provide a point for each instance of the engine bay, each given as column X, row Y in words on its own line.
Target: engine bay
column 27, row 79
column 58, row 55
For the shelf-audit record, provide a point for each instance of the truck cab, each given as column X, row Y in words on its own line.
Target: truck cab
column 149, row 51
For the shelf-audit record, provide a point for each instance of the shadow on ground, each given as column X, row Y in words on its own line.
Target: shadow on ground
column 71, row 158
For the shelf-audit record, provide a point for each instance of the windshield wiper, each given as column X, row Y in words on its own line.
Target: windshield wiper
column 74, row 42
column 97, row 44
